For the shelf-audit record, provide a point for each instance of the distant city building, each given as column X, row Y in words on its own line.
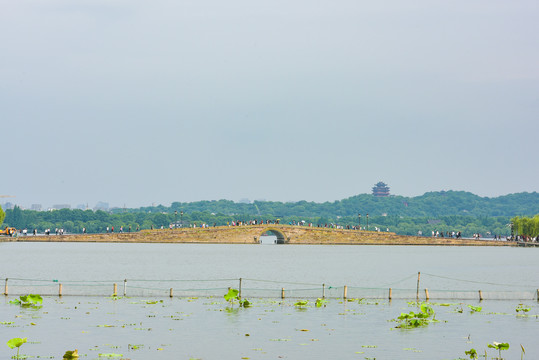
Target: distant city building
column 380, row 189
column 35, row 207
column 101, row 206
column 61, row 206
column 8, row 206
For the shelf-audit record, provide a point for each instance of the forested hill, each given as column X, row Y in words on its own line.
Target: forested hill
column 431, row 204
column 433, row 211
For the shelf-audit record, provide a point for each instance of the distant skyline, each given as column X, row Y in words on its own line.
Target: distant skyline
column 137, row 103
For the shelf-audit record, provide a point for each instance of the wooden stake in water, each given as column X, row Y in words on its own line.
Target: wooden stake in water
column 417, row 291
column 427, row 294
column 239, row 291
column 171, row 293
column 345, row 293
column 59, row 289
column 5, row 288
column 323, row 291
column 125, row 287
column 390, row 293
column 480, row 295
column 115, row 292
column 282, row 293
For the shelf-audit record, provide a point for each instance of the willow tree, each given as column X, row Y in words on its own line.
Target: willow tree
column 526, row 226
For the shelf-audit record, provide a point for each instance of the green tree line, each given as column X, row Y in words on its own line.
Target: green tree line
column 434, row 211
column 73, row 221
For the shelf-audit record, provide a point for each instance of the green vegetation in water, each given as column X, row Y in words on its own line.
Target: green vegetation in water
column 233, row 294
column 475, row 308
column 71, row 354
column 16, row 343
column 320, row 302
column 472, row 353
column 110, row 355
column 245, row 303
column 301, row 303
column 153, row 302
column 499, row 346
column 412, row 319
column 522, row 308
column 30, row 300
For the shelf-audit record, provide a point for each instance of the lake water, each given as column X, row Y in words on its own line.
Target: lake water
column 210, row 328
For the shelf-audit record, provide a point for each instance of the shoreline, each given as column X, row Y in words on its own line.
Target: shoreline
column 286, row 235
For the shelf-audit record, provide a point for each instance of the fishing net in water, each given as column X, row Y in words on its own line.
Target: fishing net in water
column 250, row 288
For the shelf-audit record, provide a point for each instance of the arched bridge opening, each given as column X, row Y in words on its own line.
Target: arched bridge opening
column 276, row 235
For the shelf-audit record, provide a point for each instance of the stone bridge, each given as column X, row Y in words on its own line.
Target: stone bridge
column 250, row 234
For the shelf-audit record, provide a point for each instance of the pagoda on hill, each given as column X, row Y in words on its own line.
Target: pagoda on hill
column 380, row 189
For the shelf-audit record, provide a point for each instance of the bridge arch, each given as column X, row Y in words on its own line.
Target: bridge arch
column 281, row 237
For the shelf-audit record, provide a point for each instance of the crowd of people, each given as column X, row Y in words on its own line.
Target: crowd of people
column 525, row 238
column 448, row 234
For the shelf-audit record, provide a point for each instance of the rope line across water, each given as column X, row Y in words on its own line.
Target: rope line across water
column 281, row 282
column 476, row 282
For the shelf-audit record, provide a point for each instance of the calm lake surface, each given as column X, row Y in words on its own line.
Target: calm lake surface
column 210, row 328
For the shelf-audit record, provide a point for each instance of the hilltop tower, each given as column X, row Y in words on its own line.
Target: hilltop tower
column 380, row 189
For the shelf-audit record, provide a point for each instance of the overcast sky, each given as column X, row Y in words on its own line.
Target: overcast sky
column 150, row 102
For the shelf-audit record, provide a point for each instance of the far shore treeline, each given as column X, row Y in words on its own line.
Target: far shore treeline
column 443, row 211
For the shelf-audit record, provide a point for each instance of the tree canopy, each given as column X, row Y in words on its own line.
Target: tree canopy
column 433, row 211
column 526, row 226
column 2, row 216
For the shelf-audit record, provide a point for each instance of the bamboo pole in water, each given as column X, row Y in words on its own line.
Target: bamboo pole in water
column 427, row 294
column 345, row 293
column 480, row 295
column 59, row 289
column 115, row 292
column 417, row 290
column 390, row 293
column 171, row 292
column 5, row 288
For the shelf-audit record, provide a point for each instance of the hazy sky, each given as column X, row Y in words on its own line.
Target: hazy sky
column 141, row 102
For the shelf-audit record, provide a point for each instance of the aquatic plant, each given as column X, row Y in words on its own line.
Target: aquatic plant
column 472, row 353
column 245, row 303
column 233, row 294
column 475, row 308
column 30, row 300
column 110, row 355
column 499, row 346
column 301, row 303
column 522, row 308
column 71, row 354
column 16, row 343
column 320, row 302
column 412, row 319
